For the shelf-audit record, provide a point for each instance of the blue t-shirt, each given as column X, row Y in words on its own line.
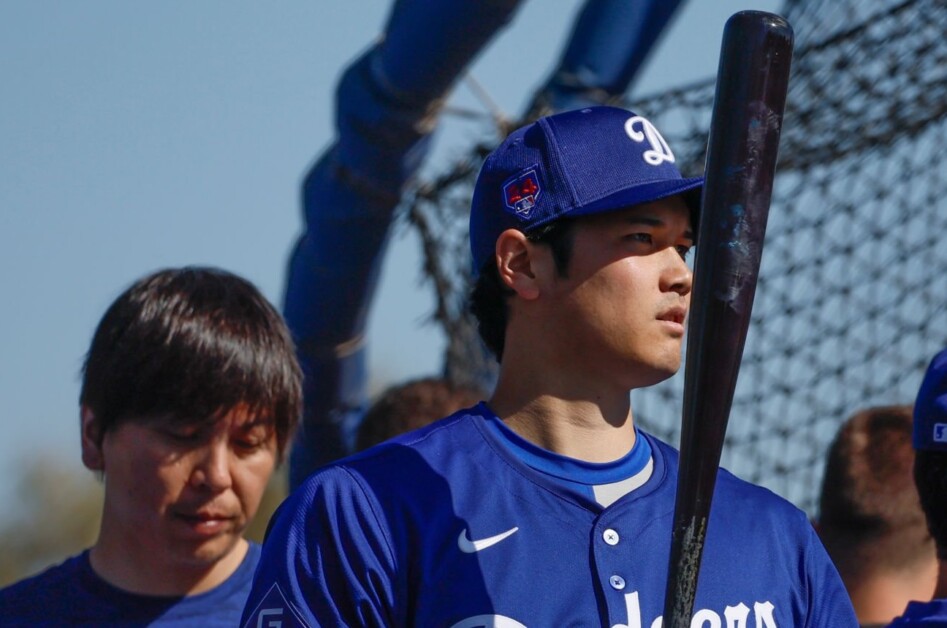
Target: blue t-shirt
column 448, row 526
column 933, row 613
column 72, row 594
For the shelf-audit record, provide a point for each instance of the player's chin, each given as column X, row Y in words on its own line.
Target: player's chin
column 659, row 369
column 668, row 362
column 213, row 550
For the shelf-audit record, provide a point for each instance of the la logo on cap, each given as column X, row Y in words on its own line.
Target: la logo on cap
column 660, row 151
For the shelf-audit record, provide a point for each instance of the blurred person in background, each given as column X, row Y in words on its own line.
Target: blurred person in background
column 871, row 521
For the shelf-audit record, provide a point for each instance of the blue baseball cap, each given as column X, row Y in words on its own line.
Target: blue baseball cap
column 575, row 163
column 930, row 408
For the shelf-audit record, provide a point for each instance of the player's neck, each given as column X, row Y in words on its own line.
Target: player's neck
column 590, row 429
column 560, row 403
column 125, row 562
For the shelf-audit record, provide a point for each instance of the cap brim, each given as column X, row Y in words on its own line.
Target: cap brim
column 645, row 193
column 690, row 189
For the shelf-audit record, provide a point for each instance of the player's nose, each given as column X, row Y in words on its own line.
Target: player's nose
column 211, row 467
column 676, row 275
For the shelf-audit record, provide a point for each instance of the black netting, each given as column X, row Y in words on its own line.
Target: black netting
column 852, row 293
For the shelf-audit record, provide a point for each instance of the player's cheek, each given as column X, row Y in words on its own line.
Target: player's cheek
column 250, row 482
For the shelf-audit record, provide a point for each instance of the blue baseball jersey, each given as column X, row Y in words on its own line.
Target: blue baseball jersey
column 933, row 613
column 72, row 594
column 447, row 526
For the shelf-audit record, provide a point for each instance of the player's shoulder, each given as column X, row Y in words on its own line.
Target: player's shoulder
column 373, row 498
column 734, row 494
column 45, row 596
column 49, row 581
column 446, row 434
column 404, row 461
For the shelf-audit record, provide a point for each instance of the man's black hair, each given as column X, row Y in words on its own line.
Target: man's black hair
column 488, row 299
column 188, row 346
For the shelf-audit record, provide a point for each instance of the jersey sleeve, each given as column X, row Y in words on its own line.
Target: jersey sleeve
column 327, row 559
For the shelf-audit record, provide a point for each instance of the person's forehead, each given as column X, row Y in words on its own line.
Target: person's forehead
column 654, row 212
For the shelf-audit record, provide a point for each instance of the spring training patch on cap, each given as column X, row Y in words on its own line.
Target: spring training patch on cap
column 521, row 192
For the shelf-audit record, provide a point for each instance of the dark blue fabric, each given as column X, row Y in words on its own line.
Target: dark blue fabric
column 428, row 45
column 930, row 408
column 71, row 594
column 933, row 613
column 386, row 538
column 607, row 48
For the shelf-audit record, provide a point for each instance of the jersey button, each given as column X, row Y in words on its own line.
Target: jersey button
column 617, row 582
column 610, row 536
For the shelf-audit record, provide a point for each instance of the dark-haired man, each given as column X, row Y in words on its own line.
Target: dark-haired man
column 190, row 393
column 930, row 477
column 546, row 506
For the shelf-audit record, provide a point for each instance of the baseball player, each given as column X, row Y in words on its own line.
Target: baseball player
column 190, row 392
column 546, row 505
column 930, row 476
column 388, row 104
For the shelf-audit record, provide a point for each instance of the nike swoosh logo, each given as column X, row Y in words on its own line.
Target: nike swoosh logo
column 469, row 547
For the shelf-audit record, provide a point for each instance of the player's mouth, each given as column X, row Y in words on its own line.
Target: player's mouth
column 205, row 523
column 674, row 319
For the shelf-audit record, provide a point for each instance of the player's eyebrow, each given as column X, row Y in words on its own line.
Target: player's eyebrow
column 255, row 423
column 653, row 221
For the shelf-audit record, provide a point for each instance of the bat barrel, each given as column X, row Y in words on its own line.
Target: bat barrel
column 752, row 82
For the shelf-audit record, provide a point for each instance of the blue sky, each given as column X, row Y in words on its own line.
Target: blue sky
column 135, row 136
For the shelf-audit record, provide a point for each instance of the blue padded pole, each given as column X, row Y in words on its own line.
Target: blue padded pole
column 387, row 102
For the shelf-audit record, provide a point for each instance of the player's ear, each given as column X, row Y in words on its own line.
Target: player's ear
column 91, row 433
column 516, row 263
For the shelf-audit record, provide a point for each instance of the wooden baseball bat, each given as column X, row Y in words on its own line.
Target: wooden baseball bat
column 752, row 81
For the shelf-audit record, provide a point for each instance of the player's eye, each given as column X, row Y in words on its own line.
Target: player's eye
column 683, row 250
column 252, row 440
column 249, row 445
column 642, row 237
column 183, row 436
